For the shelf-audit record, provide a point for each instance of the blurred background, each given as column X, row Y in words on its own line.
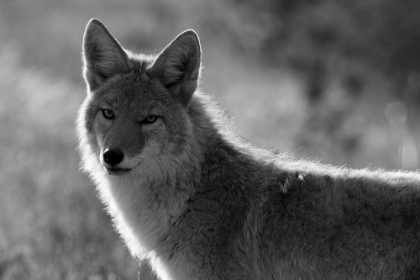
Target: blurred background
column 334, row 81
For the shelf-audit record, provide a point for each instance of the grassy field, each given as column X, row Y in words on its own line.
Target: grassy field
column 52, row 225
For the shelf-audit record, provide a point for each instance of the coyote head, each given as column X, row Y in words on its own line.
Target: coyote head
column 136, row 113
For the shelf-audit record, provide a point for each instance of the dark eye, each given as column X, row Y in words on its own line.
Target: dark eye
column 150, row 119
column 108, row 114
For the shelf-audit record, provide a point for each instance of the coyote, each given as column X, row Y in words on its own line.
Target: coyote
column 198, row 202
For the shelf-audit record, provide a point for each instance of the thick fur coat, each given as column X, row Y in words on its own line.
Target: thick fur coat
column 199, row 203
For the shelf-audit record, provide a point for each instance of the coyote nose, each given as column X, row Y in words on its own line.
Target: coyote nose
column 113, row 157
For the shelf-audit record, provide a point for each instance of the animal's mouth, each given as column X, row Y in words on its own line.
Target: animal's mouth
column 113, row 171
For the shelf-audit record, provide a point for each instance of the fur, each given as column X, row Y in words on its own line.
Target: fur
column 199, row 203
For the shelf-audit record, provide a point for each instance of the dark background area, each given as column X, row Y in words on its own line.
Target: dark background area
column 333, row 81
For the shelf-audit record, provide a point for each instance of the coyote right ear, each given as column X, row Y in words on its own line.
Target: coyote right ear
column 103, row 55
column 178, row 66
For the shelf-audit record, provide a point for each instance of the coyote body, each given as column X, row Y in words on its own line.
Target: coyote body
column 199, row 203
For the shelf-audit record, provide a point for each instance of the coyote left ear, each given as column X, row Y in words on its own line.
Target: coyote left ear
column 178, row 66
column 103, row 55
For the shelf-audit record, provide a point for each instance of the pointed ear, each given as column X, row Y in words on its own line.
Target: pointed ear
column 178, row 66
column 103, row 56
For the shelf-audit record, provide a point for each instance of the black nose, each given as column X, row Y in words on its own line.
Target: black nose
column 113, row 157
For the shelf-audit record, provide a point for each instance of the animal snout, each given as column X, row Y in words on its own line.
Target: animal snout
column 113, row 156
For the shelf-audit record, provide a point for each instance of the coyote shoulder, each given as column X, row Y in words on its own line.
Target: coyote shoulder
column 199, row 203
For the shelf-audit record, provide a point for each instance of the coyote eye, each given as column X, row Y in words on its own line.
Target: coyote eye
column 150, row 119
column 108, row 114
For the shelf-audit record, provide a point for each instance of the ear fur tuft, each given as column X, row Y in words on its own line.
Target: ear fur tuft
column 103, row 55
column 178, row 66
